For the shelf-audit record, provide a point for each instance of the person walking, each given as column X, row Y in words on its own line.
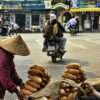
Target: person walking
column 9, row 79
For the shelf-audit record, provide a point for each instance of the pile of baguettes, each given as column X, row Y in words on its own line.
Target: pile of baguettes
column 74, row 72
column 67, row 92
column 38, row 79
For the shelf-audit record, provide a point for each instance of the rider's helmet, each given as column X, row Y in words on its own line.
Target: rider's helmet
column 52, row 17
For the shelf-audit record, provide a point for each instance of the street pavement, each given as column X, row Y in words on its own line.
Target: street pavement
column 83, row 48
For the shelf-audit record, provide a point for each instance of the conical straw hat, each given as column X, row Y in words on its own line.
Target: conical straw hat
column 15, row 45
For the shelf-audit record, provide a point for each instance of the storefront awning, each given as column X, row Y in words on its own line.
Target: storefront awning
column 85, row 10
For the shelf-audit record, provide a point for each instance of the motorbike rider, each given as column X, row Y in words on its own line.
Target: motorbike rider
column 55, row 31
column 72, row 22
column 46, row 26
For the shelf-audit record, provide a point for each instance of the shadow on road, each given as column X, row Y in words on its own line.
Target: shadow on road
column 67, row 61
column 91, row 75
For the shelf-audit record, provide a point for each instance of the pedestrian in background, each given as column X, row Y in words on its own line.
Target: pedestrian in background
column 9, row 79
column 72, row 22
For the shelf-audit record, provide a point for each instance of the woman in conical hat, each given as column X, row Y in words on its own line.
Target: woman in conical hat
column 9, row 79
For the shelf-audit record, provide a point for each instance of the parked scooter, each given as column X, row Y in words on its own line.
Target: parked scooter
column 53, row 50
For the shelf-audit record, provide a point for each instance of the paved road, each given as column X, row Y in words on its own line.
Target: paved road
column 84, row 49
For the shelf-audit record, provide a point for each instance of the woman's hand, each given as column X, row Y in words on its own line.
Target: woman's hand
column 19, row 95
column 92, row 88
column 22, row 86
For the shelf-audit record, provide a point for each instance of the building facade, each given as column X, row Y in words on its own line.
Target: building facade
column 31, row 14
column 88, row 12
column 28, row 14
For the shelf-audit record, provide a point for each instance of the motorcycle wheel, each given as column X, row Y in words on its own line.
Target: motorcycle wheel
column 53, row 58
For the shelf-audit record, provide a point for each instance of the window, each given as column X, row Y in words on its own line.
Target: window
column 35, row 19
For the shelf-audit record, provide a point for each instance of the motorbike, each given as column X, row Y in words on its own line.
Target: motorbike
column 53, row 50
column 73, row 30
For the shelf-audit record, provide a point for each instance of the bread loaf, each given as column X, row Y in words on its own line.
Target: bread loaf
column 35, row 72
column 72, row 96
column 64, row 85
column 67, row 90
column 30, row 88
column 39, row 67
column 35, row 78
column 62, row 92
column 33, row 84
column 74, row 90
column 63, row 98
column 72, row 71
column 69, row 76
column 73, row 65
column 26, row 92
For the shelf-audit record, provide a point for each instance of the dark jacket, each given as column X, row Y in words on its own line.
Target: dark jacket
column 9, row 79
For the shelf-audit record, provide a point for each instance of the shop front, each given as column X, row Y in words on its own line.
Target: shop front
column 88, row 12
column 38, row 18
column 89, row 18
column 29, row 15
column 10, row 8
column 35, row 21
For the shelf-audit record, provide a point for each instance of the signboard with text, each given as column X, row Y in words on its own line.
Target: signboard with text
column 33, row 5
column 90, row 3
column 60, row 3
column 11, row 5
column 12, row 0
column 67, row 2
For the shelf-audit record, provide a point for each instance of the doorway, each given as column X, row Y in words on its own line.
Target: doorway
column 95, row 23
column 20, row 20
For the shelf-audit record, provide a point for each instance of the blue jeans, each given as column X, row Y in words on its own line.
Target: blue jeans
column 62, row 43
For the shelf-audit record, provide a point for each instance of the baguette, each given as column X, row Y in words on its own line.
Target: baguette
column 63, row 98
column 72, row 71
column 35, row 72
column 30, row 88
column 39, row 67
column 69, row 76
column 64, row 85
column 73, row 66
column 62, row 92
column 26, row 92
column 35, row 78
column 33, row 84
column 72, row 96
column 67, row 90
